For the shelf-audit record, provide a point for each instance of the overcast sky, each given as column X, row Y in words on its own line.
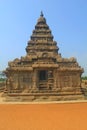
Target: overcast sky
column 66, row 18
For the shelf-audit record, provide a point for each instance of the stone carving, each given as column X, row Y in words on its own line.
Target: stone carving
column 58, row 75
column 50, row 74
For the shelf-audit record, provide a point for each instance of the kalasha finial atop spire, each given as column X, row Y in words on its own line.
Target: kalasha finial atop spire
column 41, row 18
column 41, row 14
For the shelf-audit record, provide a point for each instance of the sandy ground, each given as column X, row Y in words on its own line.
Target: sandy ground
column 67, row 116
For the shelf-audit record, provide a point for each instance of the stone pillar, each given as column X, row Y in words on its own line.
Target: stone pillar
column 9, row 84
column 58, row 81
column 70, row 78
column 55, row 79
column 34, row 79
column 78, row 84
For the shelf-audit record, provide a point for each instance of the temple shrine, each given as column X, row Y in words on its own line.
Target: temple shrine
column 43, row 74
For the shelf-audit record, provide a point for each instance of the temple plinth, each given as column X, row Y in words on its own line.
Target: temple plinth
column 43, row 73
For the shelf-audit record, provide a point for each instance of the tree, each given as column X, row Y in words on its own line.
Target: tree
column 84, row 77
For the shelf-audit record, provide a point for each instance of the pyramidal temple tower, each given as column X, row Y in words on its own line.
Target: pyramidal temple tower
column 43, row 74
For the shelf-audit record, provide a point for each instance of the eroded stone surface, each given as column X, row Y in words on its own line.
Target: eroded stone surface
column 43, row 70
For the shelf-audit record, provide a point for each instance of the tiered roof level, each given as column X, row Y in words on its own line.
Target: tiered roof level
column 42, row 49
column 42, row 39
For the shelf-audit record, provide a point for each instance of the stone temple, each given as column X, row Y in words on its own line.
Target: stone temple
column 43, row 74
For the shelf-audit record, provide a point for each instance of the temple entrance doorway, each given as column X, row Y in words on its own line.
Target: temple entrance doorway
column 42, row 75
column 43, row 79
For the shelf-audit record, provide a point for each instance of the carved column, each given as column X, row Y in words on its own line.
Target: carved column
column 8, row 85
column 55, row 79
column 58, row 78
column 70, row 77
column 34, row 80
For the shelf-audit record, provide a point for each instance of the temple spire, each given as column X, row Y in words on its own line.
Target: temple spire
column 41, row 14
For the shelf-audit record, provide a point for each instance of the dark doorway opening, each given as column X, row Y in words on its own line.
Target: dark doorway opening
column 42, row 75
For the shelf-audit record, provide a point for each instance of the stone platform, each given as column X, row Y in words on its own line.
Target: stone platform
column 45, row 97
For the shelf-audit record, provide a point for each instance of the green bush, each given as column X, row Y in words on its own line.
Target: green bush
column 84, row 78
column 2, row 79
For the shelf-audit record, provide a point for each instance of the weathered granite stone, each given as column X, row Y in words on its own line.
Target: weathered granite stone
column 43, row 70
